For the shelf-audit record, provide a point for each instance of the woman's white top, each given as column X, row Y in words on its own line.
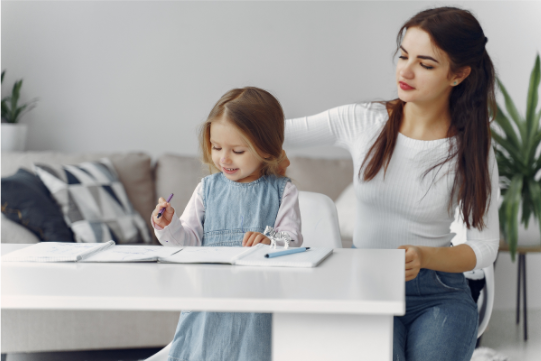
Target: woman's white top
column 402, row 208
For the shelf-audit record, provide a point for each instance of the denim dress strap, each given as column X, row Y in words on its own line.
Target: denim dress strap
column 231, row 209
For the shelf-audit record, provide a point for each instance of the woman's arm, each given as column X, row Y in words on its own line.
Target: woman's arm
column 186, row 230
column 289, row 215
column 480, row 249
column 339, row 126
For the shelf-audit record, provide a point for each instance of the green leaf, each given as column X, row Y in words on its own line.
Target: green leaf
column 537, row 166
column 533, row 97
column 514, row 153
column 511, row 206
column 526, row 205
column 535, row 191
column 507, row 128
column 506, row 167
column 18, row 112
column 5, row 109
column 15, row 99
column 512, row 111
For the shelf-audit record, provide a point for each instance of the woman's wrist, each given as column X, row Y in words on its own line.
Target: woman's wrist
column 448, row 259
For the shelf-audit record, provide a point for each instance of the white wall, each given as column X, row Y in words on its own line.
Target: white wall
column 121, row 76
column 118, row 76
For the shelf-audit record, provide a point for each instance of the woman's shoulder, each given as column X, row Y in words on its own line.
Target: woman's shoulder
column 371, row 112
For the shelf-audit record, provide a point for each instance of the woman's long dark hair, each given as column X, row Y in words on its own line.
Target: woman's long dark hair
column 459, row 35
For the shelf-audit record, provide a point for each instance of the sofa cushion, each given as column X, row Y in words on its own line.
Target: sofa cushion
column 134, row 171
column 27, row 201
column 94, row 202
column 327, row 176
column 179, row 175
column 13, row 232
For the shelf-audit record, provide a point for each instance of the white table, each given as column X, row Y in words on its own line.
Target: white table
column 341, row 310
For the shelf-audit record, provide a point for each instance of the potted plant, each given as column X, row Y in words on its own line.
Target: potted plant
column 14, row 133
column 517, row 152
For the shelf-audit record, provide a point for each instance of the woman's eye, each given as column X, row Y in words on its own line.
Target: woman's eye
column 427, row 67
column 402, row 57
column 239, row 152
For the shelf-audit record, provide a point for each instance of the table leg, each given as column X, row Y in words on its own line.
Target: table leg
column 519, row 280
column 525, row 310
column 315, row 337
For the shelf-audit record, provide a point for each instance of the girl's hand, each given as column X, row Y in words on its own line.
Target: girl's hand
column 253, row 238
column 166, row 216
column 413, row 261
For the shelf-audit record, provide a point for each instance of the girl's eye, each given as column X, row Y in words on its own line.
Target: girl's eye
column 402, row 57
column 239, row 152
column 216, row 148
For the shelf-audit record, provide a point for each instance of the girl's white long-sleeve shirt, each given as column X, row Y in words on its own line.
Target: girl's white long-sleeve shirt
column 402, row 207
column 187, row 230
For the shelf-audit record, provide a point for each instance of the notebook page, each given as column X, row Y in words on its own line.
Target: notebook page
column 125, row 253
column 55, row 252
column 309, row 258
column 226, row 255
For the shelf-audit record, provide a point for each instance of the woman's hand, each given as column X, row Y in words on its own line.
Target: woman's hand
column 413, row 261
column 253, row 238
column 167, row 214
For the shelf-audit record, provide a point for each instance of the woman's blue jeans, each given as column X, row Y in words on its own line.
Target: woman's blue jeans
column 441, row 319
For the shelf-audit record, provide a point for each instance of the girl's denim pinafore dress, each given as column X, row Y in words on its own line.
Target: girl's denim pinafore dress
column 231, row 210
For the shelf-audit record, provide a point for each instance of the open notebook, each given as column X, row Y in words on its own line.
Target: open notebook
column 88, row 252
column 109, row 252
column 242, row 256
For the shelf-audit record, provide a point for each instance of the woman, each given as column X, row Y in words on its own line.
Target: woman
column 416, row 159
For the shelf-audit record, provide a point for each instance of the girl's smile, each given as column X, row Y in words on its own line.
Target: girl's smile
column 231, row 153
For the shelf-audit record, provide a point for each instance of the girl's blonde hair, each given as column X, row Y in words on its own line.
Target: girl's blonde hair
column 259, row 118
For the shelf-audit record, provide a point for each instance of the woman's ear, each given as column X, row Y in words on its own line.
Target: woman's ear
column 460, row 75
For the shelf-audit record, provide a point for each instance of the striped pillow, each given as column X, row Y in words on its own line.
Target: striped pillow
column 94, row 203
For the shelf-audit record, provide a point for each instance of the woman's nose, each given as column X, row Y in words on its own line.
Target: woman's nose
column 406, row 72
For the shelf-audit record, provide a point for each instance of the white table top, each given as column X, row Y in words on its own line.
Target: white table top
column 350, row 281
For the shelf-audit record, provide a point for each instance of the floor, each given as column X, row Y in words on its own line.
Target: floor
column 110, row 355
column 506, row 337
column 502, row 335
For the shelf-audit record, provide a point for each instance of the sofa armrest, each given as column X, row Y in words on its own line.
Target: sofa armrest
column 13, row 232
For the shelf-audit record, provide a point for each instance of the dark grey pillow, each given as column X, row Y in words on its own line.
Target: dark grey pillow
column 27, row 201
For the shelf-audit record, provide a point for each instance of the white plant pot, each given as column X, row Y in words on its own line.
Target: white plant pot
column 13, row 137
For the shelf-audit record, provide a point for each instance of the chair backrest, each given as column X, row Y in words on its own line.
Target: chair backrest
column 485, row 303
column 319, row 221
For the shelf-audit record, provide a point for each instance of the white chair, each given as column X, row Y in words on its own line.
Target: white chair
column 319, row 229
column 161, row 355
column 485, row 302
column 319, row 221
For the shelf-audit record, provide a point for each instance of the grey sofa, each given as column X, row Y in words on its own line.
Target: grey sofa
column 144, row 181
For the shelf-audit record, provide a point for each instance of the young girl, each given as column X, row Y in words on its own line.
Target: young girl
column 416, row 159
column 242, row 141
